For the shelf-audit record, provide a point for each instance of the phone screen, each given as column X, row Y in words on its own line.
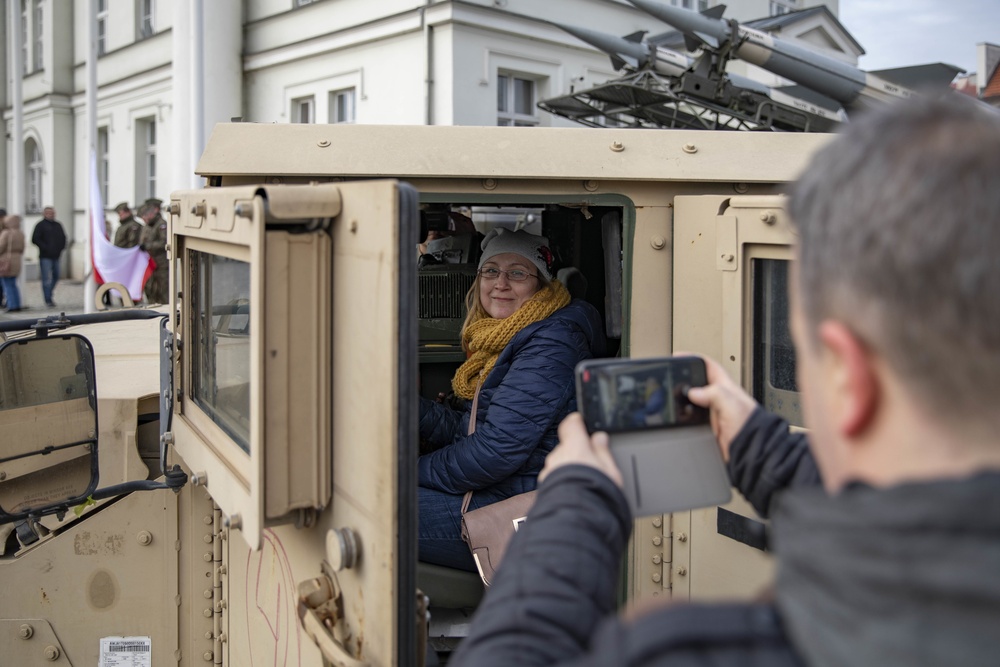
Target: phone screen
column 631, row 395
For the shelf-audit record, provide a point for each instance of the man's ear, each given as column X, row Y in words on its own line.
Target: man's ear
column 854, row 383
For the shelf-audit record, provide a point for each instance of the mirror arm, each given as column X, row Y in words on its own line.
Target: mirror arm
column 175, row 478
column 42, row 326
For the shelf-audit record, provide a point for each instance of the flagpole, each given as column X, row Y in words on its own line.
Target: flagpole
column 15, row 198
column 89, row 287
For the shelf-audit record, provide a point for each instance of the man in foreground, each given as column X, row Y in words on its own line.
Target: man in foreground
column 894, row 559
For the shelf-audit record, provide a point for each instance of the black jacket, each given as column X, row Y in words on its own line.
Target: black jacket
column 908, row 575
column 50, row 238
column 765, row 459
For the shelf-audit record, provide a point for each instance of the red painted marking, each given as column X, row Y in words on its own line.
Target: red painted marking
column 280, row 617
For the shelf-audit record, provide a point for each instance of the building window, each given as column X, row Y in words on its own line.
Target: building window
column 33, row 180
column 102, row 27
column 303, row 3
column 702, row 5
column 686, row 4
column 144, row 12
column 36, row 31
column 342, row 106
column 515, row 101
column 304, row 110
column 103, row 161
column 777, row 9
column 145, row 158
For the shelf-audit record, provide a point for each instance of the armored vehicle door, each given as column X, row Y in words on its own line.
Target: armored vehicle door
column 731, row 261
column 293, row 405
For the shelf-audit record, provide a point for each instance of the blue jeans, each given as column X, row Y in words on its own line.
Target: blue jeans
column 440, row 531
column 50, row 276
column 13, row 294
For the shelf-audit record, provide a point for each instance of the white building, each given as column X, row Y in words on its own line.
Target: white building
column 168, row 71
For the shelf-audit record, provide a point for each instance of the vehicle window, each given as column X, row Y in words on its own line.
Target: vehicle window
column 220, row 358
column 774, row 384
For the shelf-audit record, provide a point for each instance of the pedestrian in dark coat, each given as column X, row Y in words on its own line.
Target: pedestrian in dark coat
column 524, row 336
column 50, row 238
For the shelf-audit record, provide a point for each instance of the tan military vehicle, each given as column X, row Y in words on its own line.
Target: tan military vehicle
column 278, row 391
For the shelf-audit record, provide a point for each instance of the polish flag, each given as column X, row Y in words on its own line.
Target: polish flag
column 131, row 267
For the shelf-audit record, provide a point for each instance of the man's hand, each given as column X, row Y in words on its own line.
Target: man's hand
column 576, row 446
column 728, row 405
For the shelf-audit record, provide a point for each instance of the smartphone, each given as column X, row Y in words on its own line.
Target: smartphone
column 620, row 395
column 662, row 443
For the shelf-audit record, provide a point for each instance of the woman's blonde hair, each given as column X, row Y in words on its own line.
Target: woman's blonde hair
column 474, row 310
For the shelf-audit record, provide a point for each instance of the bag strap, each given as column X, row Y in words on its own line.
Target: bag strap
column 472, row 429
column 475, row 409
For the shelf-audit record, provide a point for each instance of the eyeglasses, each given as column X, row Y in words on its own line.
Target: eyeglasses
column 514, row 275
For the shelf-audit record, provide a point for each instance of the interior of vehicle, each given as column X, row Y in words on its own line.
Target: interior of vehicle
column 586, row 241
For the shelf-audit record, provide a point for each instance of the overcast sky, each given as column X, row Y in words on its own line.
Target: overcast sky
column 895, row 33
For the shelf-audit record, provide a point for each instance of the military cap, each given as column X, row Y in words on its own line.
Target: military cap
column 153, row 201
column 122, row 207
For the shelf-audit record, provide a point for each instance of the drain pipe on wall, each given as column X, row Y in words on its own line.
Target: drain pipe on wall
column 16, row 204
column 428, row 64
column 15, row 196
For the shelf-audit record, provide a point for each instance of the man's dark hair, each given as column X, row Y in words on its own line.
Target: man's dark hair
column 899, row 239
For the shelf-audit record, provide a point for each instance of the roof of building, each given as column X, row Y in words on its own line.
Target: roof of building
column 992, row 87
column 965, row 85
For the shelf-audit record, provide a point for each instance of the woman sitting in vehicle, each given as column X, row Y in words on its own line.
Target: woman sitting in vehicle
column 524, row 336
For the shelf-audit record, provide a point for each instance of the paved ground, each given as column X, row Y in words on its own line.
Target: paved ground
column 67, row 295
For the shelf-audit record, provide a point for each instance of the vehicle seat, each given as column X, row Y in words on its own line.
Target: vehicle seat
column 574, row 281
column 449, row 588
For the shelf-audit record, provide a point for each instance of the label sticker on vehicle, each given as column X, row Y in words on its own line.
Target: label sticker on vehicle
column 126, row 652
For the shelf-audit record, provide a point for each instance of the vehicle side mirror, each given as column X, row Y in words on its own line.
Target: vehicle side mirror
column 48, row 425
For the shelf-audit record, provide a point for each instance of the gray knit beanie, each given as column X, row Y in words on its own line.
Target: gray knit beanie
column 533, row 248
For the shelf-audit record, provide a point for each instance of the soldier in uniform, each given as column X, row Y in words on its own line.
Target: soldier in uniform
column 129, row 229
column 154, row 241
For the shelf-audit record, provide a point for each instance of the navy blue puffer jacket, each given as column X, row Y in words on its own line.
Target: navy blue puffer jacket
column 521, row 402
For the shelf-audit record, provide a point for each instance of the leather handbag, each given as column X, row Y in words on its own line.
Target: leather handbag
column 488, row 529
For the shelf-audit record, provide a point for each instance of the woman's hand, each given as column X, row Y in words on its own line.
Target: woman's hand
column 728, row 405
column 576, row 446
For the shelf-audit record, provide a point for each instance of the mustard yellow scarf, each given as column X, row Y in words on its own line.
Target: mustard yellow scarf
column 487, row 337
